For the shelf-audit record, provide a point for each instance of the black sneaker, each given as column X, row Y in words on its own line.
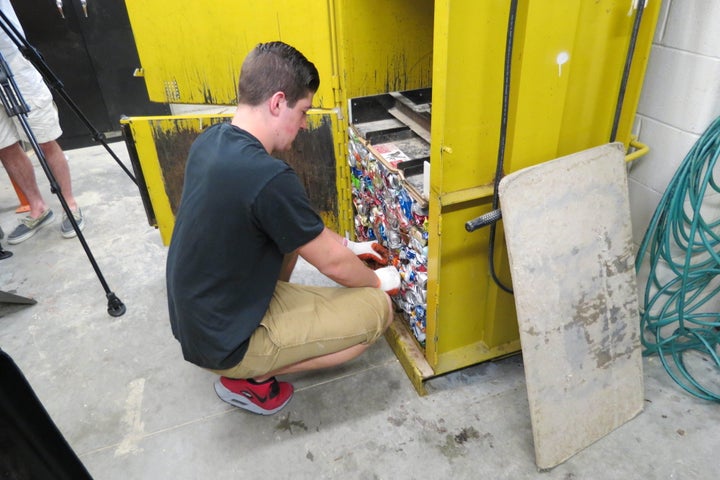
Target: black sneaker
column 29, row 226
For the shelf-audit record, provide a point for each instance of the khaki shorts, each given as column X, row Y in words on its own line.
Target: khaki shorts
column 305, row 322
column 42, row 117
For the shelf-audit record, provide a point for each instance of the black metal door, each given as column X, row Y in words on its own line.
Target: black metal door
column 94, row 57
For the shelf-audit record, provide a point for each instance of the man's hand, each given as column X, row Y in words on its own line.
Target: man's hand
column 389, row 280
column 369, row 251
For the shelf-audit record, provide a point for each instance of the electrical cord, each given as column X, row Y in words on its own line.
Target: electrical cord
column 493, row 216
column 501, row 144
column 626, row 70
column 682, row 243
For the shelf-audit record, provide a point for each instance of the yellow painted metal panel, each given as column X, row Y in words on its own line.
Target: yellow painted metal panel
column 468, row 318
column 162, row 145
column 191, row 52
column 561, row 108
column 314, row 157
column 409, row 353
column 540, row 90
column 554, row 109
column 468, row 50
column 384, row 45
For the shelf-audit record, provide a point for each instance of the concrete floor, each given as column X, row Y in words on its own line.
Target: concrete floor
column 131, row 408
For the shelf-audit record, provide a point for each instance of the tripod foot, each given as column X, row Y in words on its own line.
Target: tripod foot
column 115, row 307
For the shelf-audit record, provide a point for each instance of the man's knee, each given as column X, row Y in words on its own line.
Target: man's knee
column 11, row 152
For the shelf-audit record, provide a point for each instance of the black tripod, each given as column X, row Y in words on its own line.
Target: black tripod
column 34, row 57
column 15, row 106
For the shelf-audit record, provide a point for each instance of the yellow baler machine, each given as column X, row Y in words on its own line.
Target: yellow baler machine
column 567, row 68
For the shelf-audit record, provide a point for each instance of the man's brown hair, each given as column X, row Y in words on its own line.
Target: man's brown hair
column 276, row 67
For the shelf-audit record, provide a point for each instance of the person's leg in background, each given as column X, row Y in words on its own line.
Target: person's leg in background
column 44, row 124
column 21, row 171
column 61, row 171
column 57, row 161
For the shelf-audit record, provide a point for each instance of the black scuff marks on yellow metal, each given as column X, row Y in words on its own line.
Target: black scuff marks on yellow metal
column 313, row 158
column 172, row 146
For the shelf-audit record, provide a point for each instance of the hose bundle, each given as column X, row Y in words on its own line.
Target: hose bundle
column 679, row 321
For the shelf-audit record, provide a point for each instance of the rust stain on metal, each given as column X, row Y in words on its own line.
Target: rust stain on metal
column 312, row 157
column 172, row 146
column 402, row 76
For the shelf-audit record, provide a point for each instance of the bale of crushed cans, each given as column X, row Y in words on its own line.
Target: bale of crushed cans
column 385, row 211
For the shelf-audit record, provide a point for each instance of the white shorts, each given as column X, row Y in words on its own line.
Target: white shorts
column 43, row 116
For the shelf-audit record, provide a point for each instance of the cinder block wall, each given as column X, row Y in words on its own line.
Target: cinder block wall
column 680, row 98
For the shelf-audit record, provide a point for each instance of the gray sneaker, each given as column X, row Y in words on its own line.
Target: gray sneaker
column 29, row 226
column 66, row 228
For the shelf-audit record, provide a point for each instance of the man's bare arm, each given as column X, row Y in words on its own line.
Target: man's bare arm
column 328, row 254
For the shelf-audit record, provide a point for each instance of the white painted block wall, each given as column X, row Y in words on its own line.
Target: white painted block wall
column 680, row 98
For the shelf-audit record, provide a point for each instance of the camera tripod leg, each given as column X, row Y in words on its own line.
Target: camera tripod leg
column 15, row 106
column 115, row 307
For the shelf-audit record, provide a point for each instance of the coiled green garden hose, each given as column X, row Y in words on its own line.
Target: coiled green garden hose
column 677, row 321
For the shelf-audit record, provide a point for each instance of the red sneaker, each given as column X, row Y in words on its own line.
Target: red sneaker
column 263, row 398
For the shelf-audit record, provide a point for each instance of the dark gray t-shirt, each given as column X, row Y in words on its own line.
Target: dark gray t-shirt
column 241, row 211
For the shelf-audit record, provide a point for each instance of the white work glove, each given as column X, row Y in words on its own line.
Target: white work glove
column 371, row 250
column 389, row 279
